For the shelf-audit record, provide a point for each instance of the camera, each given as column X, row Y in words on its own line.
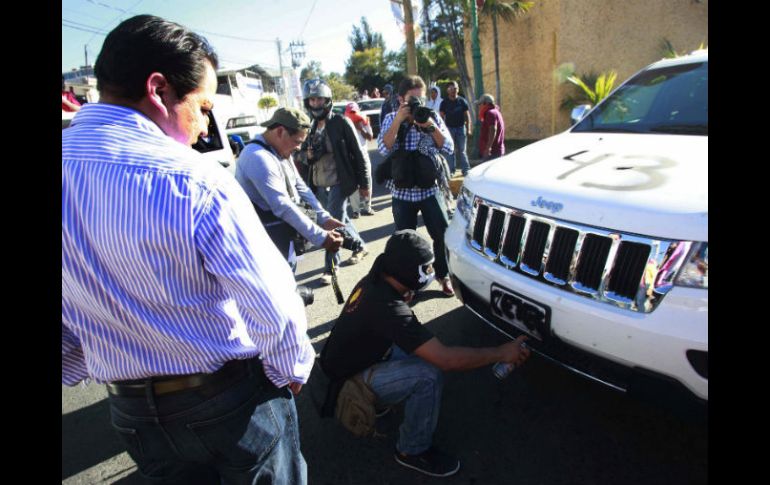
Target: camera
column 420, row 113
column 347, row 240
column 306, row 294
column 318, row 145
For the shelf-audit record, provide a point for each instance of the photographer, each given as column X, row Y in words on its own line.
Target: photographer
column 426, row 131
column 268, row 176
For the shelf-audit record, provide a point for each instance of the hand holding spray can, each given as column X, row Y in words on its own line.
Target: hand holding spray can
column 501, row 370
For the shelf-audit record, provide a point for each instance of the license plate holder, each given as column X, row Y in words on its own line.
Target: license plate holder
column 517, row 310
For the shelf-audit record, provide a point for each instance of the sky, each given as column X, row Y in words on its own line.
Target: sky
column 242, row 32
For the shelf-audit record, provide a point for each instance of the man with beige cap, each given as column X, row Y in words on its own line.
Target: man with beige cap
column 266, row 171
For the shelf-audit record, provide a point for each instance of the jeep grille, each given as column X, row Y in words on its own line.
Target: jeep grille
column 629, row 271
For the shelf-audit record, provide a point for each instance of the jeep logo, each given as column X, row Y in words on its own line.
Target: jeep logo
column 554, row 207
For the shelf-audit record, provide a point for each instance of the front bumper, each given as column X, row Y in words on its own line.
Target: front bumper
column 622, row 349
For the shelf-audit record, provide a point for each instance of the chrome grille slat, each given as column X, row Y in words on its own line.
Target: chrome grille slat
column 614, row 268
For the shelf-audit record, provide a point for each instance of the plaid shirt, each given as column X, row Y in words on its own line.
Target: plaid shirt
column 412, row 140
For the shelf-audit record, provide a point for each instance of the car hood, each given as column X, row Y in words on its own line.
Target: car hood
column 647, row 184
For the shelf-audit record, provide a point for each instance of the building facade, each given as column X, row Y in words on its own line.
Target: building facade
column 594, row 35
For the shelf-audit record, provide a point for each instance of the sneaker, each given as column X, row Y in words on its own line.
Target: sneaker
column 326, row 279
column 354, row 215
column 446, row 286
column 430, row 462
column 357, row 257
column 367, row 212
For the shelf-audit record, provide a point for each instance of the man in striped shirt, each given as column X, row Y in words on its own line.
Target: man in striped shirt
column 172, row 293
column 408, row 202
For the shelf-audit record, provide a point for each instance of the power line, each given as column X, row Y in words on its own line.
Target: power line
column 233, row 37
column 308, row 19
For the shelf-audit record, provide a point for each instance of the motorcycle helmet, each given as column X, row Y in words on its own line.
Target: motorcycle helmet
column 317, row 88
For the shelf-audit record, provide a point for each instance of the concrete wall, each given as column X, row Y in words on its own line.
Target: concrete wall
column 594, row 35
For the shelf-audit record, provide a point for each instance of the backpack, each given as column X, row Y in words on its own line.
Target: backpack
column 355, row 406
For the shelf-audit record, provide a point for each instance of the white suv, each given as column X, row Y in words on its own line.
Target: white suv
column 595, row 241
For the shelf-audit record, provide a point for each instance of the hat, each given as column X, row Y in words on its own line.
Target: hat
column 388, row 88
column 405, row 254
column 290, row 118
column 485, row 98
column 352, row 108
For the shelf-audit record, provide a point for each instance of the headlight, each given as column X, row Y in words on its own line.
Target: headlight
column 695, row 271
column 465, row 204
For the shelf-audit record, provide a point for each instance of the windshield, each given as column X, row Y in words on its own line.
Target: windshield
column 240, row 122
column 669, row 100
column 369, row 105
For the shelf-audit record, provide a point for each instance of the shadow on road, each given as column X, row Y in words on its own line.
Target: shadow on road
column 87, row 439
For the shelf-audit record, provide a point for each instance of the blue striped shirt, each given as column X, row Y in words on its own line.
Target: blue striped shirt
column 413, row 138
column 166, row 268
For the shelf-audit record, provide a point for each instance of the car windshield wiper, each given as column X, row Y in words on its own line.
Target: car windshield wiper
column 690, row 129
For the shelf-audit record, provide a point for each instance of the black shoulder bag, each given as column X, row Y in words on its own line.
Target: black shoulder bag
column 393, row 167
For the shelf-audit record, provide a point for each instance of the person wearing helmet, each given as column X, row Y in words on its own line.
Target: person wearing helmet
column 377, row 334
column 337, row 165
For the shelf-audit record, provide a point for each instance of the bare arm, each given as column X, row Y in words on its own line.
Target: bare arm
column 466, row 358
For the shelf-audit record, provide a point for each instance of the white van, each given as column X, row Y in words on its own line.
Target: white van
column 595, row 241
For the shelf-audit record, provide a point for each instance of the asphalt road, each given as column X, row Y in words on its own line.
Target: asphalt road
column 542, row 425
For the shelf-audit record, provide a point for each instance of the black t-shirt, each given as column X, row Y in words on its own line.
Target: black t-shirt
column 454, row 111
column 374, row 318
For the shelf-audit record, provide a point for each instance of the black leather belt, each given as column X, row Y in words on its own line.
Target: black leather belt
column 228, row 374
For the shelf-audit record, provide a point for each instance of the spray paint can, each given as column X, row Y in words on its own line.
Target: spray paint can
column 501, row 370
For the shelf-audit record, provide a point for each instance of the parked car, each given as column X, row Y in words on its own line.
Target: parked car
column 216, row 146
column 369, row 107
column 247, row 127
column 213, row 146
column 595, row 241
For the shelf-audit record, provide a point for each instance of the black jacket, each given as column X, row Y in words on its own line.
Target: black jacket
column 352, row 169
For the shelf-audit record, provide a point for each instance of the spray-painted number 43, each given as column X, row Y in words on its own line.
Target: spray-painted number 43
column 647, row 165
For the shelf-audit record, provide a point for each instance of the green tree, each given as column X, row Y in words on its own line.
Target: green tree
column 602, row 86
column 507, row 12
column 367, row 68
column 450, row 15
column 340, row 89
column 434, row 62
column 267, row 102
column 311, row 71
column 363, row 38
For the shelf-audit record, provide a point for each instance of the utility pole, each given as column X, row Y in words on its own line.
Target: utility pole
column 411, row 56
column 282, row 83
column 85, row 50
column 478, row 80
column 297, row 53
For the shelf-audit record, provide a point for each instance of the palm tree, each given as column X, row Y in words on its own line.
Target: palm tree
column 507, row 11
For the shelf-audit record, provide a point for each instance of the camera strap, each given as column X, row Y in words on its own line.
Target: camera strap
column 290, row 189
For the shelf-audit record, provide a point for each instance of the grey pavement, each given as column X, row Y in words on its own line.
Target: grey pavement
column 542, row 425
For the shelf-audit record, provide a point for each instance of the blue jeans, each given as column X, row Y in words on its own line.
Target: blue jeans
column 409, row 378
column 332, row 200
column 245, row 434
column 434, row 214
column 460, row 138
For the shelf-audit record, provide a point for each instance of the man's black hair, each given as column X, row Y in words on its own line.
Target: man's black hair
column 409, row 83
column 145, row 44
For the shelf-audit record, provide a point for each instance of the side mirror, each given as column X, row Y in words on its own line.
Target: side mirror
column 578, row 112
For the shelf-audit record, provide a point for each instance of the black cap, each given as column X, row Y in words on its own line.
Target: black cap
column 404, row 253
